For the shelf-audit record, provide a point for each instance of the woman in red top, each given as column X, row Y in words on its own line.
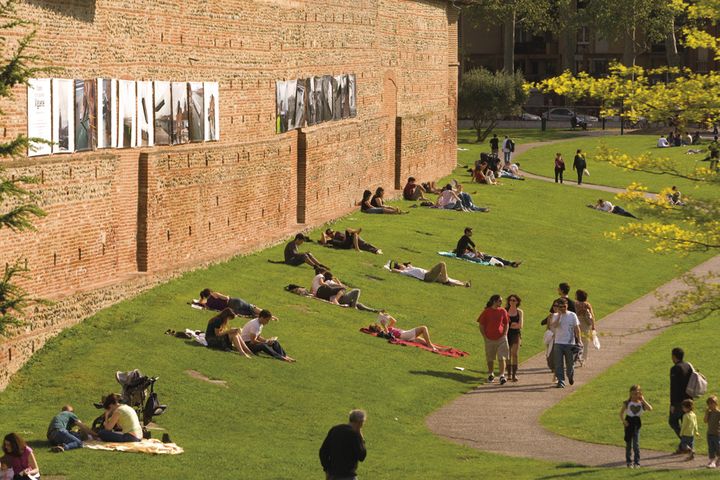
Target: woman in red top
column 559, row 167
column 19, row 457
column 494, row 322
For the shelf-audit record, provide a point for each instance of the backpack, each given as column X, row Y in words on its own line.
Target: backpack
column 697, row 384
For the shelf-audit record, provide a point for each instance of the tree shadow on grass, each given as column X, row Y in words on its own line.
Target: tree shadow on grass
column 458, row 377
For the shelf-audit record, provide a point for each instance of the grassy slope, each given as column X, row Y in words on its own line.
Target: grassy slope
column 272, row 417
column 540, row 161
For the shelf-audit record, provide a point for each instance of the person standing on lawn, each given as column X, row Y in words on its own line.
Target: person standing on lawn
column 494, row 322
column 679, row 378
column 579, row 165
column 343, row 448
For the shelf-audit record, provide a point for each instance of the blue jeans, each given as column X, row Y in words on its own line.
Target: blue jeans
column 563, row 352
column 507, row 156
column 687, row 443
column 674, row 419
column 108, row 436
column 66, row 439
column 632, row 440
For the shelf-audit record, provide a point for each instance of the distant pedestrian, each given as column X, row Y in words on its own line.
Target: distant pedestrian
column 689, row 428
column 630, row 413
column 508, row 149
column 343, row 448
column 559, row 167
column 494, row 322
column 579, row 164
column 514, row 335
column 566, row 326
column 679, row 378
column 495, row 145
column 586, row 315
column 712, row 418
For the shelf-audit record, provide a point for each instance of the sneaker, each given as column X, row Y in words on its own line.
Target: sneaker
column 629, row 465
column 503, row 380
column 637, row 465
column 490, row 378
column 560, row 385
column 712, row 464
column 571, row 379
column 57, row 449
column 378, row 252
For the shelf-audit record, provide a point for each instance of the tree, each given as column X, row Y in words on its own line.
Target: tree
column 484, row 97
column 18, row 205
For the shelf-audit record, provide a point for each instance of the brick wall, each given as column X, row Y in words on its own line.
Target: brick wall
column 114, row 213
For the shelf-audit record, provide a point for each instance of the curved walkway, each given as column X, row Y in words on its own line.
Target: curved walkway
column 481, row 419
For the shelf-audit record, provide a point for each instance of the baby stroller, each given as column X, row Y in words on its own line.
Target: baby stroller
column 138, row 391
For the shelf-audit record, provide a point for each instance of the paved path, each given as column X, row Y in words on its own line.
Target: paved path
column 469, row 421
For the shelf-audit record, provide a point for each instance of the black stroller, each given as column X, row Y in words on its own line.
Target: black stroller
column 138, row 391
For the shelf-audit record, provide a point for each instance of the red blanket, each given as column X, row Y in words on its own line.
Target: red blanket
column 442, row 350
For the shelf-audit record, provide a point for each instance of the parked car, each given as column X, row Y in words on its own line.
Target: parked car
column 524, row 116
column 565, row 114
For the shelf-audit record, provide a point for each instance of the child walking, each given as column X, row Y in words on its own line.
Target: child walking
column 630, row 413
column 712, row 418
column 688, row 428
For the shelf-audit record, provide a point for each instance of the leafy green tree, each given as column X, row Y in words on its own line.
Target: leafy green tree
column 18, row 205
column 484, row 97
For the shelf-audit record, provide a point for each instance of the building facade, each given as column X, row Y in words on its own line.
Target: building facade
column 120, row 219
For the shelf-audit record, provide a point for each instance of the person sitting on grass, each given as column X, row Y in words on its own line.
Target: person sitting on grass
column 348, row 240
column 605, row 206
column 60, row 434
column 378, row 201
column 466, row 249
column 448, row 199
column 388, row 324
column 212, row 300
column 251, row 336
column 19, row 457
column 219, row 336
column 438, row 273
column 512, row 172
column 674, row 197
column 294, row 257
column 367, row 207
column 663, row 142
column 328, row 287
column 467, row 201
column 412, row 191
column 123, row 416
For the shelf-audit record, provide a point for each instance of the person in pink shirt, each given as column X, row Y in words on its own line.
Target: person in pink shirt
column 494, row 322
column 19, row 457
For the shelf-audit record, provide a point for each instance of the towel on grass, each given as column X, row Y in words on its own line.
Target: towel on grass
column 148, row 445
column 442, row 350
column 491, row 263
column 196, row 335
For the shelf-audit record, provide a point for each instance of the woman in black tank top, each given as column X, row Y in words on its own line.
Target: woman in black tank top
column 514, row 334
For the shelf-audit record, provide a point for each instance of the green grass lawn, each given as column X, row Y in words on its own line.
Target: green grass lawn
column 540, row 161
column 270, row 420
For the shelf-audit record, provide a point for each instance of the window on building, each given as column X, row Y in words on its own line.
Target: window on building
column 583, row 36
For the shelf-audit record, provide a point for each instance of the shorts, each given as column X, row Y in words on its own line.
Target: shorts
column 496, row 348
column 296, row 260
column 241, row 307
column 408, row 335
column 513, row 336
column 219, row 343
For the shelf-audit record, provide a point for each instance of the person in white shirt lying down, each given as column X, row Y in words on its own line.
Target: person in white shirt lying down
column 438, row 273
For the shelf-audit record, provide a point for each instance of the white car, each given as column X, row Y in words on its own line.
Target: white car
column 565, row 114
column 530, row 117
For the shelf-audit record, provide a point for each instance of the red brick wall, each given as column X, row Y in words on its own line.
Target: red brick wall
column 110, row 211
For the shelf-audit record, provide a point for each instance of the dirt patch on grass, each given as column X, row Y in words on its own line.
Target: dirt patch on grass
column 200, row 376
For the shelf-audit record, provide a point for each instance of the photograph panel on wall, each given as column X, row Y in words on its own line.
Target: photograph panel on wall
column 85, row 113
column 39, row 115
column 127, row 118
column 180, row 114
column 63, row 115
column 163, row 114
column 196, row 94
column 337, row 96
column 145, row 121
column 290, row 97
column 300, row 102
column 352, row 95
column 107, row 113
column 344, row 98
column 310, row 107
column 327, row 98
column 281, row 109
column 318, row 99
column 212, row 111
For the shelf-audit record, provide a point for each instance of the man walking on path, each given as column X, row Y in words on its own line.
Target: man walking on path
column 343, row 448
column 679, row 378
column 579, row 164
column 494, row 322
column 567, row 338
column 495, row 145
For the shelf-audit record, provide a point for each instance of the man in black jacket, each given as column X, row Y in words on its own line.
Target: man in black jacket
column 343, row 448
column 579, row 165
column 679, row 378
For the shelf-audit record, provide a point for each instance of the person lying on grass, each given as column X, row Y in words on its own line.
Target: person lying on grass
column 348, row 240
column 387, row 324
column 438, row 273
column 327, row 287
column 605, row 206
column 466, row 249
column 250, row 334
column 217, row 301
column 220, row 337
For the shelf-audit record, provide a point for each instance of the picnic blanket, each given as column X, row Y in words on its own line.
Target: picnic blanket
column 442, row 350
column 149, row 445
column 491, row 263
